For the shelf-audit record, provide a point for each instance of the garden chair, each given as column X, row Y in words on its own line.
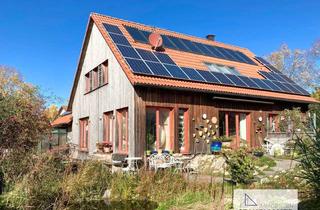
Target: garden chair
column 160, row 161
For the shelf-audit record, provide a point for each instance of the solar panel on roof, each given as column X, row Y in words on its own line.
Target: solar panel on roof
column 176, row 72
column 267, row 75
column 158, row 69
column 236, row 80
column 179, row 44
column 286, row 78
column 119, row 39
column 136, row 34
column 208, row 76
column 222, row 78
column 199, row 48
column 164, row 58
column 236, row 55
column 138, row 66
column 167, row 42
column 245, row 57
column 112, row 28
column 147, row 55
column 282, row 86
column 191, row 46
column 303, row 91
column 192, row 74
column 261, row 84
column 248, row 82
column 272, row 85
column 215, row 52
column 203, row 48
column 127, row 51
column 226, row 54
column 266, row 63
column 275, row 75
column 291, row 88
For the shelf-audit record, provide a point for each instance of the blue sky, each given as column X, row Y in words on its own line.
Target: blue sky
column 42, row 39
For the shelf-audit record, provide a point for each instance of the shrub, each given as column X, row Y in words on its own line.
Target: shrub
column 240, row 166
column 124, row 186
column 161, row 185
column 40, row 187
column 88, row 184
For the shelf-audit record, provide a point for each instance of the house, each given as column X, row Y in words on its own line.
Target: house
column 142, row 88
column 61, row 129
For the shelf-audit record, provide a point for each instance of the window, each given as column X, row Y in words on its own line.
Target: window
column 158, row 128
column 84, row 133
column 273, row 123
column 103, row 73
column 89, row 81
column 122, row 121
column 183, row 130
column 222, row 69
column 108, row 127
column 235, row 125
column 97, row 77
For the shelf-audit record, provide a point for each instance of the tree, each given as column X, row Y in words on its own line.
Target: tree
column 23, row 121
column 52, row 112
column 302, row 66
column 307, row 143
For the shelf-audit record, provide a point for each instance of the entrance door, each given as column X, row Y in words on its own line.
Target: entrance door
column 243, row 126
column 158, row 122
column 235, row 125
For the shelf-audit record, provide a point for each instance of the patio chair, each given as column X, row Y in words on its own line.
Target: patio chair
column 160, row 161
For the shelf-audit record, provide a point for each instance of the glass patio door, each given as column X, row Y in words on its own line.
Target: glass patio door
column 158, row 129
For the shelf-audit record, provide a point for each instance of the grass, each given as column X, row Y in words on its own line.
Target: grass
column 186, row 199
column 265, row 160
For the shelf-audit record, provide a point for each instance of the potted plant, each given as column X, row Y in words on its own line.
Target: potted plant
column 258, row 151
column 104, row 147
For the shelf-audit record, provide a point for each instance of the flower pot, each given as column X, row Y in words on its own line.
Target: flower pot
column 216, row 146
column 107, row 149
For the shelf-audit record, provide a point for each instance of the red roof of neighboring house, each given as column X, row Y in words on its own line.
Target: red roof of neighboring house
column 62, row 120
column 183, row 59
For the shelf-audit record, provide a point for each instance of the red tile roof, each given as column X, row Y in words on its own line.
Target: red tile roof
column 186, row 59
column 62, row 120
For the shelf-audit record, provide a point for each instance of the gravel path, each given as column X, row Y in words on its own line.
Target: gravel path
column 282, row 165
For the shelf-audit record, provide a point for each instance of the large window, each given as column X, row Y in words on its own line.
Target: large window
column 108, row 127
column 97, row 77
column 222, row 69
column 235, row 125
column 122, row 121
column 158, row 130
column 84, row 133
column 273, row 123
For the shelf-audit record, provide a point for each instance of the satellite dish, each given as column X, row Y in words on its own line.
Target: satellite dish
column 155, row 40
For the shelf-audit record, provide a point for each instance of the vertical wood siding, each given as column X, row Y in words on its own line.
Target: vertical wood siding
column 197, row 105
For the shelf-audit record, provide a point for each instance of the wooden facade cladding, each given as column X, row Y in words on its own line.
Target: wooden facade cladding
column 197, row 104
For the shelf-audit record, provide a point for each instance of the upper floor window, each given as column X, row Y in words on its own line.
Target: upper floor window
column 97, row 77
column 222, row 69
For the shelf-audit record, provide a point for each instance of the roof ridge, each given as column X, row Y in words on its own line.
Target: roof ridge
column 169, row 31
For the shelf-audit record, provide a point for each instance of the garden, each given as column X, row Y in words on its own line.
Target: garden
column 33, row 180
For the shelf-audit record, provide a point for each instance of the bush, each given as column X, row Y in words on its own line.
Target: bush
column 40, row 187
column 161, row 185
column 88, row 184
column 240, row 166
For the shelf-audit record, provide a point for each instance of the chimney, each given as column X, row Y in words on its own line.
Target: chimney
column 211, row 37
